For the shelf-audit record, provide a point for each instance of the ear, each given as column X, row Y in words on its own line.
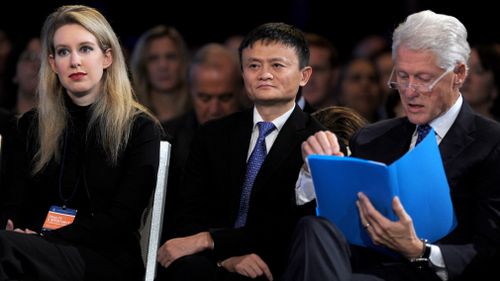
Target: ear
column 108, row 58
column 52, row 63
column 306, row 74
column 460, row 74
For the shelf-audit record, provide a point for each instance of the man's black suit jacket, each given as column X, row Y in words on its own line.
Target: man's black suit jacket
column 213, row 181
column 181, row 131
column 471, row 156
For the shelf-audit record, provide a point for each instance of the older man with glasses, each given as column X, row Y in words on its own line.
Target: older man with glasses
column 430, row 52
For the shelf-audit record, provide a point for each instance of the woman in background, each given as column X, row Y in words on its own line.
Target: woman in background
column 159, row 68
column 342, row 121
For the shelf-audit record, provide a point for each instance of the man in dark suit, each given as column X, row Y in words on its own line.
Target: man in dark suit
column 215, row 85
column 431, row 54
column 217, row 238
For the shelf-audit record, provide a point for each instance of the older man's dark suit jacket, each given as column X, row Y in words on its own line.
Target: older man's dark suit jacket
column 213, row 181
column 471, row 156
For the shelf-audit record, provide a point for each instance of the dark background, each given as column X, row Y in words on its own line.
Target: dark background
column 344, row 22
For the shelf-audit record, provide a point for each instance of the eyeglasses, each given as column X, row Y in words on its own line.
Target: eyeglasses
column 419, row 88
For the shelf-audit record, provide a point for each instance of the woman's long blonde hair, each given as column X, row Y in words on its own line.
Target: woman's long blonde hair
column 113, row 112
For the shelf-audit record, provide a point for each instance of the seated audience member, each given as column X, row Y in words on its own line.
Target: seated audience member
column 238, row 209
column 369, row 46
column 430, row 54
column 159, row 69
column 482, row 86
column 23, row 69
column 342, row 121
column 20, row 94
column 233, row 42
column 390, row 97
column 320, row 90
column 84, row 161
column 215, row 84
column 26, row 77
column 5, row 54
column 359, row 89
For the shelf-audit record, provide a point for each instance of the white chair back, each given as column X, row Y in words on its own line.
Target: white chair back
column 151, row 232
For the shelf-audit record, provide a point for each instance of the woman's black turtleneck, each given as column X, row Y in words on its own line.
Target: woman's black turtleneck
column 111, row 199
column 72, row 189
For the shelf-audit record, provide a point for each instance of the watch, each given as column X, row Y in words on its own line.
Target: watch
column 423, row 260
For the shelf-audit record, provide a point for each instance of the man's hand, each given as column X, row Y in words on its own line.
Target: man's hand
column 250, row 265
column 322, row 142
column 180, row 247
column 399, row 236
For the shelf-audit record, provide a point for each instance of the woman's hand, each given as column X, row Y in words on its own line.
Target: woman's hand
column 10, row 227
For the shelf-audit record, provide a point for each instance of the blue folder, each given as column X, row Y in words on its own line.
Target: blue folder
column 418, row 178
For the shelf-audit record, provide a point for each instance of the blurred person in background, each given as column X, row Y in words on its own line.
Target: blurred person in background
column 320, row 90
column 359, row 89
column 215, row 84
column 159, row 65
column 482, row 86
column 5, row 51
column 25, row 78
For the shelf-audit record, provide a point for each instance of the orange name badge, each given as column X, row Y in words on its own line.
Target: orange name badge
column 58, row 217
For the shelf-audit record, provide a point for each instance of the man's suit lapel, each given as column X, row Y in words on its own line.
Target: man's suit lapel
column 398, row 147
column 389, row 148
column 459, row 136
column 238, row 152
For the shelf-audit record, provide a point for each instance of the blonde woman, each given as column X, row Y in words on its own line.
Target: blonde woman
column 159, row 66
column 85, row 161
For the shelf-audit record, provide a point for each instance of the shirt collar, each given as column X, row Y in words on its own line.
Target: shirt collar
column 278, row 122
column 443, row 123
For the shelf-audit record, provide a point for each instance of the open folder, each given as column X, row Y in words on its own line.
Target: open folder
column 418, row 178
